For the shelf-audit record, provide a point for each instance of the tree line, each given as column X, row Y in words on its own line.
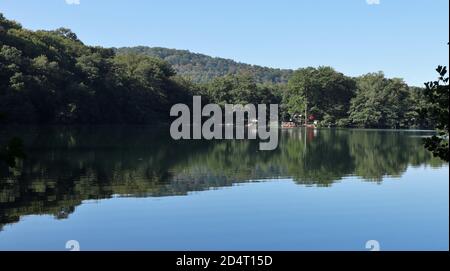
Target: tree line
column 52, row 77
column 202, row 68
column 368, row 101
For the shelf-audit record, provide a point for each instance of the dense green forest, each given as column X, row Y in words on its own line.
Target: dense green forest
column 202, row 68
column 52, row 77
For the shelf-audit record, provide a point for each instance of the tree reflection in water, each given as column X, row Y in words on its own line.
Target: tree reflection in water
column 66, row 165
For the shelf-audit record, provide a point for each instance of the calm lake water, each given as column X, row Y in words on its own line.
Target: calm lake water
column 133, row 188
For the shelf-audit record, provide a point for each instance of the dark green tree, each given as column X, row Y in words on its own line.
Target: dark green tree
column 325, row 92
column 437, row 94
column 379, row 102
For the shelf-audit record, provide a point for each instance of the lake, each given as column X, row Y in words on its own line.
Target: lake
column 134, row 188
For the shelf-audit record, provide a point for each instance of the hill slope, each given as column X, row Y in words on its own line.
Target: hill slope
column 202, row 68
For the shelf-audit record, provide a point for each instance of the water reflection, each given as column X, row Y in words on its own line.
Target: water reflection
column 66, row 165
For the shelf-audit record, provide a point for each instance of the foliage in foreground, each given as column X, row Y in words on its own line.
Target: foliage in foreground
column 437, row 94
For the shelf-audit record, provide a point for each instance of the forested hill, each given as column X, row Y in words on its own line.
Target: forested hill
column 202, row 68
column 53, row 77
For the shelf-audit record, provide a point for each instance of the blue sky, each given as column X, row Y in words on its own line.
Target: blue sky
column 406, row 39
